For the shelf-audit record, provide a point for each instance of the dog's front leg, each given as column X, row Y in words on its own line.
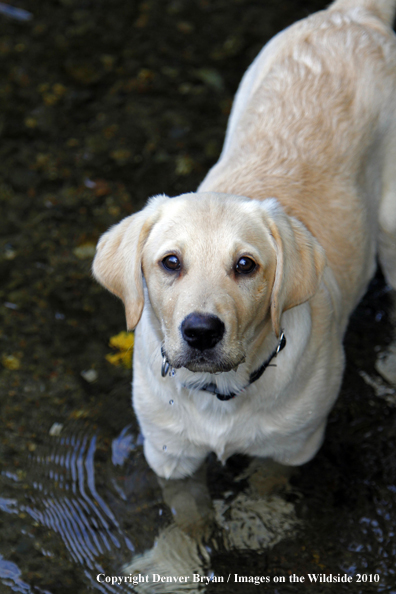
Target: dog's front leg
column 169, row 464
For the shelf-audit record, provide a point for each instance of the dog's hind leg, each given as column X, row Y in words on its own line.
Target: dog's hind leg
column 387, row 212
column 386, row 362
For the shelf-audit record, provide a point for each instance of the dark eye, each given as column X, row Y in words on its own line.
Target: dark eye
column 245, row 265
column 171, row 263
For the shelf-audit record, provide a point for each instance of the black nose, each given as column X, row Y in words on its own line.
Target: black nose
column 202, row 331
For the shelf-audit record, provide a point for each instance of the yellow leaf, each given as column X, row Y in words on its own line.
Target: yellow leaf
column 11, row 362
column 124, row 343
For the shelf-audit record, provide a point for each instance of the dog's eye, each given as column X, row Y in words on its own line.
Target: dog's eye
column 245, row 265
column 171, row 263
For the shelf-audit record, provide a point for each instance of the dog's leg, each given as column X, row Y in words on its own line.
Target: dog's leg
column 190, row 503
column 168, row 465
column 387, row 212
column 307, row 452
column 386, row 362
column 387, row 253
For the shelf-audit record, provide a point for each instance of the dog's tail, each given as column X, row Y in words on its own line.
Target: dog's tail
column 383, row 9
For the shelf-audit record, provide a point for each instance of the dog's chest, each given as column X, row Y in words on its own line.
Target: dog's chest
column 226, row 428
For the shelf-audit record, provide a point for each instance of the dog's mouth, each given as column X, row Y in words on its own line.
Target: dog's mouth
column 208, row 361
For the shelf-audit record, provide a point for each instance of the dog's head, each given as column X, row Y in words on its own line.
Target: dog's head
column 219, row 270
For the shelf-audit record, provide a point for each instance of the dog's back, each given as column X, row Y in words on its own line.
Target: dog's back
column 382, row 9
column 314, row 125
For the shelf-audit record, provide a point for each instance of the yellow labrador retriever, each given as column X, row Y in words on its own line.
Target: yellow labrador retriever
column 241, row 292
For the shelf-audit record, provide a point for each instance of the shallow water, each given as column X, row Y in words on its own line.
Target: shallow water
column 102, row 105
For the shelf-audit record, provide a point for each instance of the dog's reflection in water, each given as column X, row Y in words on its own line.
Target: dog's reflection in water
column 255, row 519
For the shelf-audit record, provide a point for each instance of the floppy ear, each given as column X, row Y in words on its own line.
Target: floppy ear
column 118, row 260
column 300, row 262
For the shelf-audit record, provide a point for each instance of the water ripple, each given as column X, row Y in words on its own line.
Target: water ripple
column 64, row 499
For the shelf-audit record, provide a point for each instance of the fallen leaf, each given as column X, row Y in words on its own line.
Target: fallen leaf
column 123, row 342
column 11, row 362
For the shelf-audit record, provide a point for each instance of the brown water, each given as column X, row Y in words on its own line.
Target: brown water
column 102, row 105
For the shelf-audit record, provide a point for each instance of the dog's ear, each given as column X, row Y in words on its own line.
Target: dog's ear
column 300, row 262
column 118, row 260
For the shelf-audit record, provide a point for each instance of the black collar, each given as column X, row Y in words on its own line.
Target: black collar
column 252, row 378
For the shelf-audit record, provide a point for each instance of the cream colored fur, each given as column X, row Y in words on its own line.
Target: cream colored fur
column 306, row 188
